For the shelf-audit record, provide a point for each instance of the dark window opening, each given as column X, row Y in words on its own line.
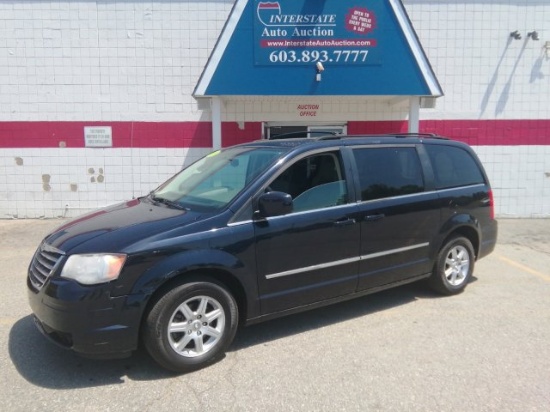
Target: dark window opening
column 314, row 182
column 453, row 167
column 388, row 172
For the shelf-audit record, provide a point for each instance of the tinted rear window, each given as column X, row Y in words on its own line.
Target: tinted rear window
column 453, row 166
column 388, row 171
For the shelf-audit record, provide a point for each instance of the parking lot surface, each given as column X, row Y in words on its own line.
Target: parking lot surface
column 406, row 349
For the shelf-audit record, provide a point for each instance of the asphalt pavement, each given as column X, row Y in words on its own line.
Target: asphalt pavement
column 406, row 349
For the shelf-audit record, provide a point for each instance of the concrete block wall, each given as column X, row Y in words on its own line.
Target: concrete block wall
column 60, row 182
column 97, row 62
column 485, row 73
column 105, row 60
column 520, row 177
column 138, row 61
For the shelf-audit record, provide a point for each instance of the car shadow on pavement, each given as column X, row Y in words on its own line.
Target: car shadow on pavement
column 46, row 365
column 332, row 314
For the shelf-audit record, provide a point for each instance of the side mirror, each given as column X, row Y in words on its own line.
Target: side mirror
column 274, row 204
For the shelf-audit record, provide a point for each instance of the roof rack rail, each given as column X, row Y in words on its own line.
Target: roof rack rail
column 398, row 135
column 332, row 136
column 414, row 134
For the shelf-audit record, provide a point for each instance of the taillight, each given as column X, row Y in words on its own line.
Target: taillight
column 491, row 204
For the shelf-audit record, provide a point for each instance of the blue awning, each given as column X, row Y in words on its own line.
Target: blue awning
column 318, row 48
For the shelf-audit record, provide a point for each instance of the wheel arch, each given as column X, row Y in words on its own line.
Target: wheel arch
column 469, row 232
column 218, row 276
column 163, row 344
column 462, row 224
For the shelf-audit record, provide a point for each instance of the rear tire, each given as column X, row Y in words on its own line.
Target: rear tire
column 190, row 326
column 454, row 266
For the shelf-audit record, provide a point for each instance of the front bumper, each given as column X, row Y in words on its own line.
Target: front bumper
column 87, row 319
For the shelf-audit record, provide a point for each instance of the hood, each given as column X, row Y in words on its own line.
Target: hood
column 114, row 228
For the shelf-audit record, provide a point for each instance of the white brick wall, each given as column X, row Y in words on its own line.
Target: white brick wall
column 108, row 60
column 140, row 60
column 68, row 182
column 485, row 74
column 125, row 60
column 520, row 179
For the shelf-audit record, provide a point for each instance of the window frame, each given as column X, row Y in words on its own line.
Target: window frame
column 426, row 177
column 346, row 170
column 344, row 173
column 468, row 153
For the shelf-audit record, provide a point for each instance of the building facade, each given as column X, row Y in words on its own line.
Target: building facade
column 100, row 101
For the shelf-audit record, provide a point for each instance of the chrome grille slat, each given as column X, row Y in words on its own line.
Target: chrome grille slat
column 45, row 256
column 43, row 264
column 40, row 272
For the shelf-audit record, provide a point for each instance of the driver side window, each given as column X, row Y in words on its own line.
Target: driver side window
column 314, row 182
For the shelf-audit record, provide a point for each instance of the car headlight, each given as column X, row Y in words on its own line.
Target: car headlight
column 93, row 269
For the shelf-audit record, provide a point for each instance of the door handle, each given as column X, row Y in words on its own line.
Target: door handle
column 344, row 222
column 373, row 218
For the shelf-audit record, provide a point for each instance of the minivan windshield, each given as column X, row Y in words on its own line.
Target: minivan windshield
column 215, row 180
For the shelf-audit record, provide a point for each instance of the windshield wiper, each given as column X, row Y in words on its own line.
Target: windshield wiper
column 167, row 202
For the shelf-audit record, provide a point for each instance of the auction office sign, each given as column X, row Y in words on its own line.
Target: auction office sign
column 337, row 32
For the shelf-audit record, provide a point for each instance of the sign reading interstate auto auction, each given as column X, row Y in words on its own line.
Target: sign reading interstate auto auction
column 337, row 32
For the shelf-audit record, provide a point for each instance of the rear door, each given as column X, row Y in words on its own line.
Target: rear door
column 311, row 254
column 464, row 192
column 399, row 218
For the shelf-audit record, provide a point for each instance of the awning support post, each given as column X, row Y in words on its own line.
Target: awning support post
column 414, row 114
column 216, row 106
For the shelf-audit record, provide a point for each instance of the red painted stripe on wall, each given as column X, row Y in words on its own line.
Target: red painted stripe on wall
column 473, row 132
column 199, row 134
column 233, row 133
column 125, row 134
column 492, row 132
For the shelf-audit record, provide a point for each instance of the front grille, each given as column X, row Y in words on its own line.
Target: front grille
column 43, row 263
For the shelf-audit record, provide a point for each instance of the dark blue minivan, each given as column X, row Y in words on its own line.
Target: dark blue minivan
column 257, row 231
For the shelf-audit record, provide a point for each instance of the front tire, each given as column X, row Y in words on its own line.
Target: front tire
column 190, row 326
column 454, row 267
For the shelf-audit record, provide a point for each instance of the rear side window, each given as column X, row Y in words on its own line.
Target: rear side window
column 388, row 171
column 453, row 166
